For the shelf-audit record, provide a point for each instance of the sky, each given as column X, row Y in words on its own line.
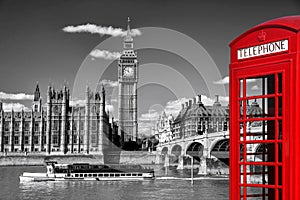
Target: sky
column 183, row 48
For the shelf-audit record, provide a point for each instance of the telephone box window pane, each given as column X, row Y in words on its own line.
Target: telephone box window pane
column 256, row 174
column 241, row 151
column 258, row 130
column 241, row 131
column 254, row 193
column 241, row 109
column 262, row 107
column 260, row 174
column 260, row 85
column 279, row 152
column 264, row 152
column 279, row 175
column 279, row 106
column 279, row 130
column 280, row 83
column 241, row 88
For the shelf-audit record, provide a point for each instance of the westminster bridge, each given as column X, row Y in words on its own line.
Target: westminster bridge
column 203, row 148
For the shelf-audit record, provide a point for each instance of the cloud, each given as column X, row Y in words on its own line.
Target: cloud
column 76, row 102
column 109, row 83
column 151, row 116
column 101, row 30
column 114, row 100
column 18, row 96
column 109, row 108
column 15, row 106
column 173, row 107
column 145, row 128
column 223, row 81
column 255, row 87
column 107, row 55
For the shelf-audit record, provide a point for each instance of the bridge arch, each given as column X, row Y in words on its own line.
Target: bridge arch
column 164, row 151
column 195, row 149
column 176, row 150
column 220, row 150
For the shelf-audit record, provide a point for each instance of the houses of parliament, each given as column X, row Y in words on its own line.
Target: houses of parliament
column 58, row 127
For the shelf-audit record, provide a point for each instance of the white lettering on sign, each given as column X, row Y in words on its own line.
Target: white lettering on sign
column 264, row 49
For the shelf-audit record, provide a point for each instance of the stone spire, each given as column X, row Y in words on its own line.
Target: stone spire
column 37, row 93
column 128, row 40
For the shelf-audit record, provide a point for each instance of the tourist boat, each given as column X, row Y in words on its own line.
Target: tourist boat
column 89, row 172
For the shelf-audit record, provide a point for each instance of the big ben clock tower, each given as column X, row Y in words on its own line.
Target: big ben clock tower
column 127, row 79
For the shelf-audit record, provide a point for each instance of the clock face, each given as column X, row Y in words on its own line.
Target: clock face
column 128, row 72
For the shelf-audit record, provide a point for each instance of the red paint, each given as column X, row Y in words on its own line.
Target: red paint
column 264, row 155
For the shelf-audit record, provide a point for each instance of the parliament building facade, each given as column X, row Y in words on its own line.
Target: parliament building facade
column 58, row 126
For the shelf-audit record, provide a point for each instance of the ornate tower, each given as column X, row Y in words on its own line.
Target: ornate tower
column 127, row 79
column 37, row 100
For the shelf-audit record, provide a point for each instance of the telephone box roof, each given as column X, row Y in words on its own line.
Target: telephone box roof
column 291, row 23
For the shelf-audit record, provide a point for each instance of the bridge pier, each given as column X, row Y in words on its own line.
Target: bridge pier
column 203, row 166
column 158, row 159
column 167, row 160
column 180, row 162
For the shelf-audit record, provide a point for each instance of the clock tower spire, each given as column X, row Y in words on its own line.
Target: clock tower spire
column 127, row 79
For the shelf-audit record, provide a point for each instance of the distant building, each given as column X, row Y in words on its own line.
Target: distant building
column 58, row 127
column 163, row 129
column 193, row 119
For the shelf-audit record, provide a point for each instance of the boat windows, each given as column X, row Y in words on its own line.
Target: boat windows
column 117, row 175
column 140, row 174
column 122, row 174
column 128, row 174
column 90, row 175
column 85, row 175
column 134, row 175
column 94, row 175
column 81, row 175
column 100, row 175
column 111, row 175
column 76, row 175
column 105, row 175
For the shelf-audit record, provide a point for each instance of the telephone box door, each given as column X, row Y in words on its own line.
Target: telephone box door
column 260, row 95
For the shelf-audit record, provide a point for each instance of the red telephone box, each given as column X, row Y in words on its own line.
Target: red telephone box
column 264, row 112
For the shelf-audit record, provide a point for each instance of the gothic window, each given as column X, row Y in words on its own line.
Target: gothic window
column 68, row 125
column 74, row 126
column 35, row 139
column 94, row 139
column 81, row 139
column 17, row 126
column 36, row 127
column 27, row 126
column 26, row 140
column 67, row 139
column 6, row 140
column 94, row 125
column 6, row 126
column 55, row 139
column 75, row 139
column 16, row 139
column 55, row 125
column 81, row 125
column 44, row 139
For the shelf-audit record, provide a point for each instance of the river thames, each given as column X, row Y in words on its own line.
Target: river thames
column 161, row 188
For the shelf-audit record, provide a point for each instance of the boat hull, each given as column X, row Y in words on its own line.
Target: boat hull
column 85, row 177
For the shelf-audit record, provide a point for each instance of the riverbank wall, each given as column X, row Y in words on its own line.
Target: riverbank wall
column 121, row 157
